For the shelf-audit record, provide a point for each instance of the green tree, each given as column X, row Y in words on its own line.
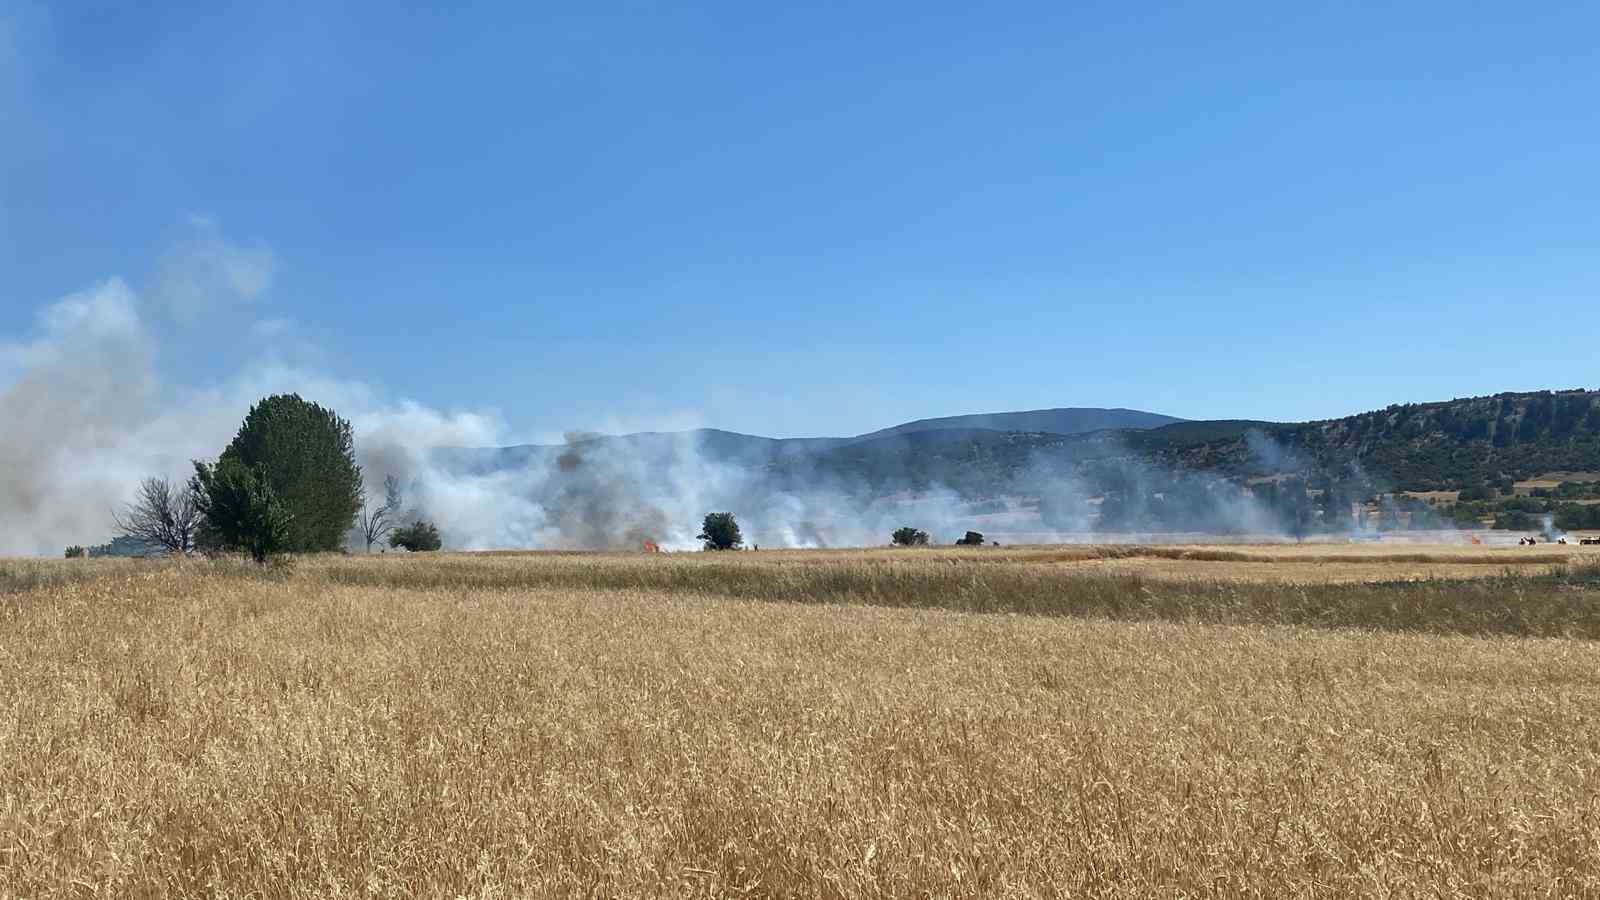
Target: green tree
column 720, row 531
column 241, row 510
column 418, row 537
column 906, row 536
column 305, row 454
column 76, row 551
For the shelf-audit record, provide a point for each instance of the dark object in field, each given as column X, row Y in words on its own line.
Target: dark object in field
column 972, row 539
column 418, row 537
column 1589, row 542
column 907, row 536
column 720, row 531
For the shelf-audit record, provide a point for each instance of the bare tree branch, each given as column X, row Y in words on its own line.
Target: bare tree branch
column 161, row 516
column 376, row 523
column 392, row 497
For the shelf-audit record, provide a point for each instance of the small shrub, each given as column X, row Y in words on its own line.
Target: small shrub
column 418, row 537
column 906, row 536
column 76, row 552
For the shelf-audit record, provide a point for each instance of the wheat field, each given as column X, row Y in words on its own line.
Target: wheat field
column 850, row 724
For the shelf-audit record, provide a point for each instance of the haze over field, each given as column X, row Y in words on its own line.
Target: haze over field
column 90, row 414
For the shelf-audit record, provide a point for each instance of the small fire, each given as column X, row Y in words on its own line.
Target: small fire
column 652, row 547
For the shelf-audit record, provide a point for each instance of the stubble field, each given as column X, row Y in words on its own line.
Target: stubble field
column 1016, row 722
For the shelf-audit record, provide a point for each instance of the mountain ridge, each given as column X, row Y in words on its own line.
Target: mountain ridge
column 734, row 446
column 1438, row 445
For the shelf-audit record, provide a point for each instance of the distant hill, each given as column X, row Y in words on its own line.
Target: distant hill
column 1415, row 446
column 1427, row 446
column 1041, row 421
column 1215, row 477
column 754, row 450
column 1444, row 445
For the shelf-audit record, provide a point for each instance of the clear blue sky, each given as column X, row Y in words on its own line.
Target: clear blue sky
column 826, row 218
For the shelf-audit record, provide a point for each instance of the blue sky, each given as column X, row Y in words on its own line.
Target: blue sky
column 825, row 219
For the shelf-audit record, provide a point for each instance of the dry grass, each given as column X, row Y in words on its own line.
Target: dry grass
column 615, row 725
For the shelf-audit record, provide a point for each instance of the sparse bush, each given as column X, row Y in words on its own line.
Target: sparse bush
column 376, row 523
column 418, row 537
column 76, row 552
column 162, row 516
column 906, row 536
column 720, row 531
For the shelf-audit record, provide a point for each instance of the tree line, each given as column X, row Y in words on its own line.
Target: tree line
column 288, row 482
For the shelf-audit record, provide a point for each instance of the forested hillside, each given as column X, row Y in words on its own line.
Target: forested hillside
column 1220, row 475
column 1421, row 446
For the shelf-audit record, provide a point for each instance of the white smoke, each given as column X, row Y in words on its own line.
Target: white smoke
column 199, row 269
column 86, row 414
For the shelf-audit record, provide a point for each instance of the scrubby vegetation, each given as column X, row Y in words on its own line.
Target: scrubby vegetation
column 907, row 536
column 418, row 537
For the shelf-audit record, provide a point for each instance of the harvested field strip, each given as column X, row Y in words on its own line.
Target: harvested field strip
column 1561, row 603
column 1308, row 553
column 1211, row 554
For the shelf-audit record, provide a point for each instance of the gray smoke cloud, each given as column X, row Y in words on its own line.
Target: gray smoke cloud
column 79, row 388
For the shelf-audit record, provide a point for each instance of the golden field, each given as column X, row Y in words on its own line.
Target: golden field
column 995, row 722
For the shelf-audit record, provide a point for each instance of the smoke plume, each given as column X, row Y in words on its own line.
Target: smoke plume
column 87, row 413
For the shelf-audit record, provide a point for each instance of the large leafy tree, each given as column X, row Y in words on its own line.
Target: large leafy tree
column 720, row 531
column 304, row 454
